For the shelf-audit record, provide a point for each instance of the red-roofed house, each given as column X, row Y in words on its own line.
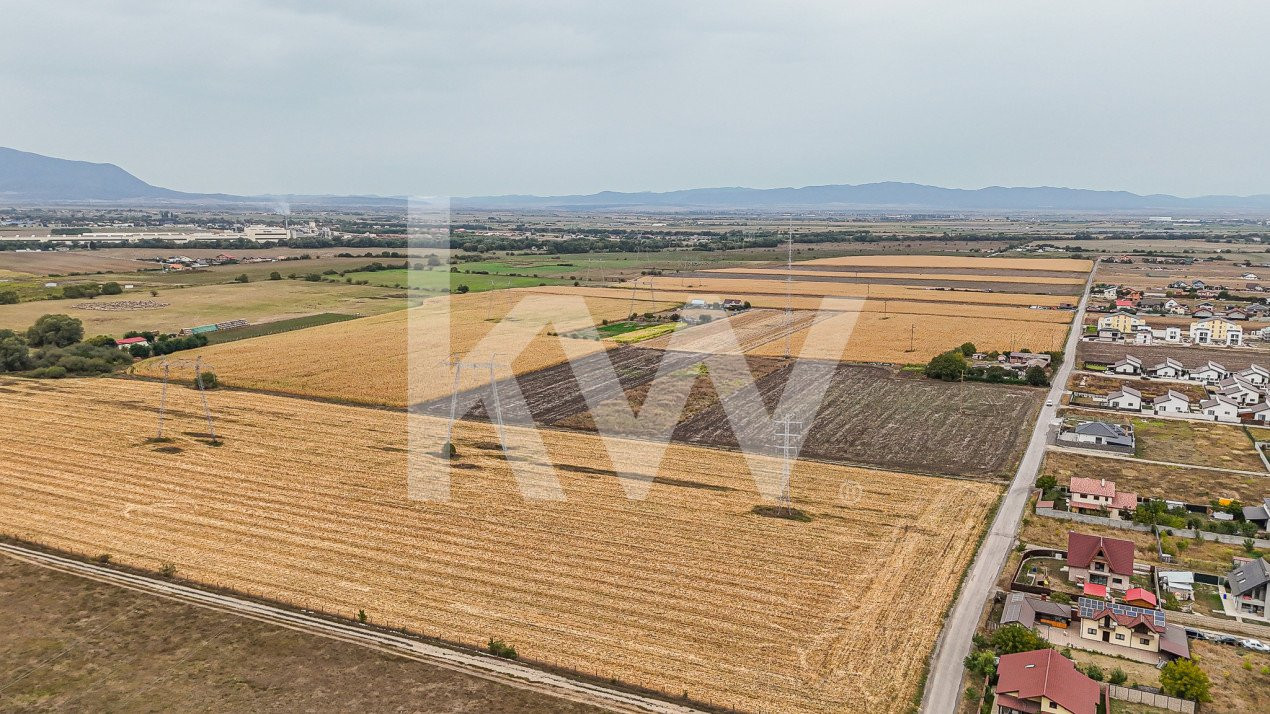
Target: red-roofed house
column 1099, row 560
column 1044, row 681
column 127, row 342
column 1097, row 495
column 1095, row 590
column 1140, row 597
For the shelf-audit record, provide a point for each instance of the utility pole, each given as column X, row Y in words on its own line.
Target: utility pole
column 197, row 364
column 494, row 407
column 787, row 435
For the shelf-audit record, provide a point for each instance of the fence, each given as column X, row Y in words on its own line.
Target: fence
column 1163, row 701
column 1142, row 527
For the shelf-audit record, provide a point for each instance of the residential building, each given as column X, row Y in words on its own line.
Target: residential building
column 1092, row 494
column 1131, row 626
column 1126, row 398
column 1181, row 583
column 1028, row 359
column 1030, row 611
column 1140, row 597
column 1259, row 514
column 1099, row 434
column 1044, row 681
column 1211, row 373
column 1216, row 331
column 1248, row 583
column 1238, row 390
column 1099, row 560
column 1171, row 403
column 1220, row 408
column 128, row 342
column 1255, row 374
column 1260, row 413
column 1168, row 369
column 1128, row 365
column 1122, row 321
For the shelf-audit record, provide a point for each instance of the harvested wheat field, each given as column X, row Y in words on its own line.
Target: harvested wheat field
column 1074, row 265
column 744, row 288
column 889, row 338
column 687, row 591
column 366, row 361
column 986, row 278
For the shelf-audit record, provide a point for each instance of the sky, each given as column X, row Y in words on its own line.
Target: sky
column 486, row 97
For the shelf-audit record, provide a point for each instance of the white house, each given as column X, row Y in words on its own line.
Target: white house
column 1171, row 334
column 1261, row 413
column 1238, row 390
column 1220, row 408
column 1255, row 374
column 1128, row 365
column 1168, row 369
column 1171, row 403
column 1126, row 398
column 1211, row 373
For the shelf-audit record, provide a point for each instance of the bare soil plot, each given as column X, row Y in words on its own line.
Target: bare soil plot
column 1233, row 358
column 912, row 339
column 65, row 263
column 686, row 591
column 1157, row 480
column 1236, row 689
column 127, row 651
column 367, row 361
column 1099, row 384
column 944, row 261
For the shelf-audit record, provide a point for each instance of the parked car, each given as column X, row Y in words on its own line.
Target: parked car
column 1256, row 645
column 1194, row 634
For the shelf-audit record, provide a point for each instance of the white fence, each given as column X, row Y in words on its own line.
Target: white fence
column 1163, row 701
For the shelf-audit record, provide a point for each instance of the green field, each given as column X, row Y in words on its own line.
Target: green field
column 277, row 326
column 441, row 279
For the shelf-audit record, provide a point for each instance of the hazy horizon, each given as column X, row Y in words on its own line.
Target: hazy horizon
column 392, row 98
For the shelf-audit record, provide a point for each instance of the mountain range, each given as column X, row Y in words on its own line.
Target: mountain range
column 27, row 178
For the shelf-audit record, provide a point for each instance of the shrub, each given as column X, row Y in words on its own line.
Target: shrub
column 1118, row 676
column 1094, row 672
column 208, row 379
column 242, row 278
column 361, row 616
column 15, row 356
column 498, row 648
column 1183, row 678
column 112, row 289
column 968, row 349
column 8, row 297
column 275, row 275
column 167, row 570
column 104, row 558
column 140, row 351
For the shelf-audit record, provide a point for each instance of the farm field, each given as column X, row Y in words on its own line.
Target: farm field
column 1091, row 383
column 131, row 260
column 686, row 591
column 747, row 287
column 1233, row 358
column 986, row 277
column 1186, row 441
column 768, row 281
column 187, row 307
column 443, row 279
column 869, row 416
column 1156, row 480
column 125, row 649
column 937, row 261
column 276, row 327
column 367, row 361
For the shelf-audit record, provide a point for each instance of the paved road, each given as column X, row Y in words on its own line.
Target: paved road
column 943, row 686
column 471, row 663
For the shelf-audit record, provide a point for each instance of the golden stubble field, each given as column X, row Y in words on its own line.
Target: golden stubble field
column 1074, row 265
column 686, row 591
column 982, row 278
column 744, row 288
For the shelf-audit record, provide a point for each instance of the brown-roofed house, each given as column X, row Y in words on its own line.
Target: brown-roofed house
column 1044, row 681
column 1095, row 559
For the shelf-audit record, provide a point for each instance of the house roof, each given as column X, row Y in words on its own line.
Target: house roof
column 1140, row 595
column 1174, row 642
column 1248, row 576
column 1123, row 391
column 1129, row 359
column 1183, row 579
column 1125, row 500
column 1082, row 548
column 1261, row 512
column 1218, row 399
column 1171, row 396
column 1094, row 590
column 1126, row 615
column 1113, row 433
column 1168, row 362
column 1093, row 486
column 1023, row 609
column 1046, row 673
column 130, row 340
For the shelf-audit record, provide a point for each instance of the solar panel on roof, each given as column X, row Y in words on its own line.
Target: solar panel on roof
column 1090, row 607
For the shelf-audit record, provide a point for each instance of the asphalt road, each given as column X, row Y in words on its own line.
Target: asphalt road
column 943, row 685
column 472, row 663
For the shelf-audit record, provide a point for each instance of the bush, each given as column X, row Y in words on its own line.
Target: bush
column 1183, row 678
column 1118, row 677
column 209, row 379
column 168, row 570
column 461, row 289
column 498, row 648
column 15, row 356
column 361, row 616
column 1094, row 672
column 140, row 351
column 968, row 349
column 275, row 275
column 949, row 366
column 8, row 297
column 242, row 279
column 112, row 289
column 1047, row 483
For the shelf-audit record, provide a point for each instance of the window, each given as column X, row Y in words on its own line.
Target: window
column 1053, row 705
column 1119, row 637
column 1091, row 631
column 1143, row 640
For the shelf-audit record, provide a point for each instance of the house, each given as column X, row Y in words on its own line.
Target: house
column 1210, row 373
column 1152, row 304
column 1133, row 294
column 1171, row 402
column 1099, row 560
column 1107, row 293
column 1216, row 331
column 1131, row 626
column 1115, row 335
column 1168, row 369
column 1123, row 303
column 1122, row 321
column 1238, row 390
column 1179, row 285
column 1126, row 398
column 1100, row 434
column 733, row 304
column 1092, row 494
column 1220, row 408
column 1236, row 314
column 127, row 342
column 1181, row 583
column 1198, row 285
column 1259, row 514
column 1140, row 597
column 1248, row 583
column 1028, row 359
column 1031, row 611
column 1202, row 313
column 1260, row 413
column 1249, row 276
column 1045, row 681
column 1144, row 336
column 1255, row 374
column 1128, row 365
column 1208, row 292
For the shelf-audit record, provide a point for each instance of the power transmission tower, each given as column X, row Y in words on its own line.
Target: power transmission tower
column 495, row 406
column 787, row 435
column 789, row 292
column 202, row 392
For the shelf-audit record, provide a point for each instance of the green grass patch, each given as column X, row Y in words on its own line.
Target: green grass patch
column 440, row 279
column 646, row 333
column 276, row 327
column 614, row 329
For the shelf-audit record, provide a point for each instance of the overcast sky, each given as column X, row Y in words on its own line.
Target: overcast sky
column 557, row 96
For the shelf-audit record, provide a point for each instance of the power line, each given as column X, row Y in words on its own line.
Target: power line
column 788, row 435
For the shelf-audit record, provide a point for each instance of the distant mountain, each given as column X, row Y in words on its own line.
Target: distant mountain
column 886, row 196
column 32, row 178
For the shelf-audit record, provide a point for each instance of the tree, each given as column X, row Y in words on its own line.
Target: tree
column 139, row 350
column 55, row 331
column 242, row 278
column 1183, row 678
column 8, row 297
column 1047, row 483
column 949, row 366
column 100, row 341
column 275, row 275
column 1014, row 637
column 14, row 354
column 982, row 662
column 1035, row 376
column 1094, row 672
column 112, row 289
column 968, row 349
column 1118, row 677
column 461, row 289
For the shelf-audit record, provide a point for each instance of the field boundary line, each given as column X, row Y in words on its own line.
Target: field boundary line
column 1123, row 457
column 487, row 667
